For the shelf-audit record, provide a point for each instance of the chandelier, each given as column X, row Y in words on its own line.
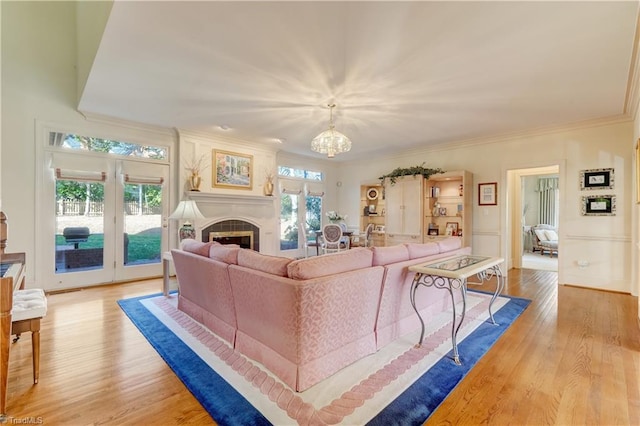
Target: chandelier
column 331, row 142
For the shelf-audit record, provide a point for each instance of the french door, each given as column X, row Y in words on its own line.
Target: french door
column 104, row 220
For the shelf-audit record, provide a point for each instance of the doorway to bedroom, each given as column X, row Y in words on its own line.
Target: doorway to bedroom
column 535, row 218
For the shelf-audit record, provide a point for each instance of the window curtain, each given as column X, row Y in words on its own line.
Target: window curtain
column 548, row 201
column 292, row 187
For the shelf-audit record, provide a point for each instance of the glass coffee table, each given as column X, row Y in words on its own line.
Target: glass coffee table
column 451, row 274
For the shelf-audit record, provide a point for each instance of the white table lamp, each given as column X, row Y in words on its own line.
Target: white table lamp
column 187, row 210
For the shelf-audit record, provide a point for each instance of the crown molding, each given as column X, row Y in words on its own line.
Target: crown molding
column 632, row 97
column 506, row 137
column 214, row 137
column 113, row 121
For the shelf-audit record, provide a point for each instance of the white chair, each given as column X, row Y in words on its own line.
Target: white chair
column 368, row 236
column 331, row 238
column 302, row 235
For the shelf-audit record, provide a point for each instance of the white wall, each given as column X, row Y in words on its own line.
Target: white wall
column 39, row 90
column 604, row 241
column 39, row 84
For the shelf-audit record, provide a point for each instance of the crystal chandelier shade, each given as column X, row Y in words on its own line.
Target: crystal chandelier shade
column 331, row 141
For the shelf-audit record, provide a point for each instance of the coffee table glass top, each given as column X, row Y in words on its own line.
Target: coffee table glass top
column 457, row 263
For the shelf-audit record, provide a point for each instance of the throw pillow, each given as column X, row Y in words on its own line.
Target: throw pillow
column 196, row 247
column 541, row 234
column 274, row 265
column 227, row 253
column 551, row 234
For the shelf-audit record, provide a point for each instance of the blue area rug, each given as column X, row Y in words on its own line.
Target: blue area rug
column 232, row 400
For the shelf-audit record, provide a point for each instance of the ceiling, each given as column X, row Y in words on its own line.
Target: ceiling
column 402, row 74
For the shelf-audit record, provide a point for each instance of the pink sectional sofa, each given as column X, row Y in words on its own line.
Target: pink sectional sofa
column 306, row 319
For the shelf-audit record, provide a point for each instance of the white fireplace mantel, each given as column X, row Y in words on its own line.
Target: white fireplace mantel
column 210, row 197
column 260, row 210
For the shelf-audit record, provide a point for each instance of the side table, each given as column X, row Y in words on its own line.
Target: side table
column 450, row 274
column 167, row 259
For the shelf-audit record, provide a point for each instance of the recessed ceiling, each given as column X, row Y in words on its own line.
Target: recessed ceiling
column 402, row 74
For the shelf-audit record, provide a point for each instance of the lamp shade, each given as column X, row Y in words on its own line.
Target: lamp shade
column 187, row 210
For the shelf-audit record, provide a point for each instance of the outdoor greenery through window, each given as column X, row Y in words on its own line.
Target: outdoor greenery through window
column 297, row 207
column 86, row 143
column 299, row 173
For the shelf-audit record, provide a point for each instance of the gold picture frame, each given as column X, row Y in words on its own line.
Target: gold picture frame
column 232, row 170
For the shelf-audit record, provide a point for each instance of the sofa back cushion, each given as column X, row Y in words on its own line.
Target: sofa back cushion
column 422, row 250
column 450, row 244
column 197, row 247
column 320, row 266
column 227, row 253
column 392, row 254
column 273, row 265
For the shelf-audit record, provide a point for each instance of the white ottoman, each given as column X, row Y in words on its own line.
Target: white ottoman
column 29, row 306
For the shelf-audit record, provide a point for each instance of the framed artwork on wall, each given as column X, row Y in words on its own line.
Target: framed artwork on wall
column 599, row 205
column 232, row 170
column 596, row 179
column 488, row 194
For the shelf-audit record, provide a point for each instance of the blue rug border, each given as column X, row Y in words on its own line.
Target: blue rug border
column 221, row 400
column 228, row 407
column 410, row 408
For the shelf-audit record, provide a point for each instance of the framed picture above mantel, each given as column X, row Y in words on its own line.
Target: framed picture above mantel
column 232, row 170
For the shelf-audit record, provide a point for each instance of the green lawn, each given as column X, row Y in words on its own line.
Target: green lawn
column 141, row 247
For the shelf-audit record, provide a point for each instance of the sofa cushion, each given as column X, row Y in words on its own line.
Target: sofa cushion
column 197, row 247
column 227, row 253
column 450, row 244
column 320, row 266
column 422, row 250
column 274, row 265
column 391, row 254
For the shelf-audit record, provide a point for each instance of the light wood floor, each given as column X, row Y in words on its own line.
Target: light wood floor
column 572, row 358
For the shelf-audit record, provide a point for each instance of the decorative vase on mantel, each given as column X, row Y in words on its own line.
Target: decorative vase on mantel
column 195, row 180
column 268, row 188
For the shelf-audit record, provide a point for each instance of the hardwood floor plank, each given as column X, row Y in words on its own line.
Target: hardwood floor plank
column 573, row 357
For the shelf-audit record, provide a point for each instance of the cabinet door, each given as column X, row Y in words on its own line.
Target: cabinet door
column 393, row 202
column 412, row 202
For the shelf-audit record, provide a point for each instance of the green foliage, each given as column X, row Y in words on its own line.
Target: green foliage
column 410, row 171
column 79, row 191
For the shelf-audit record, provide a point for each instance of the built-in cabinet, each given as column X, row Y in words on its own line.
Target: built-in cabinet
column 404, row 210
column 373, row 211
column 422, row 210
column 448, row 202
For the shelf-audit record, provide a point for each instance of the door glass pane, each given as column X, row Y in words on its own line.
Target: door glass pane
column 314, row 213
column 288, row 222
column 79, row 226
column 142, row 224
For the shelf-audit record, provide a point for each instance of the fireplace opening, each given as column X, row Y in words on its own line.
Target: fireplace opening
column 233, row 231
column 242, row 238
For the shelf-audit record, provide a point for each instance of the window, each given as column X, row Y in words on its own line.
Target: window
column 86, row 143
column 300, row 202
